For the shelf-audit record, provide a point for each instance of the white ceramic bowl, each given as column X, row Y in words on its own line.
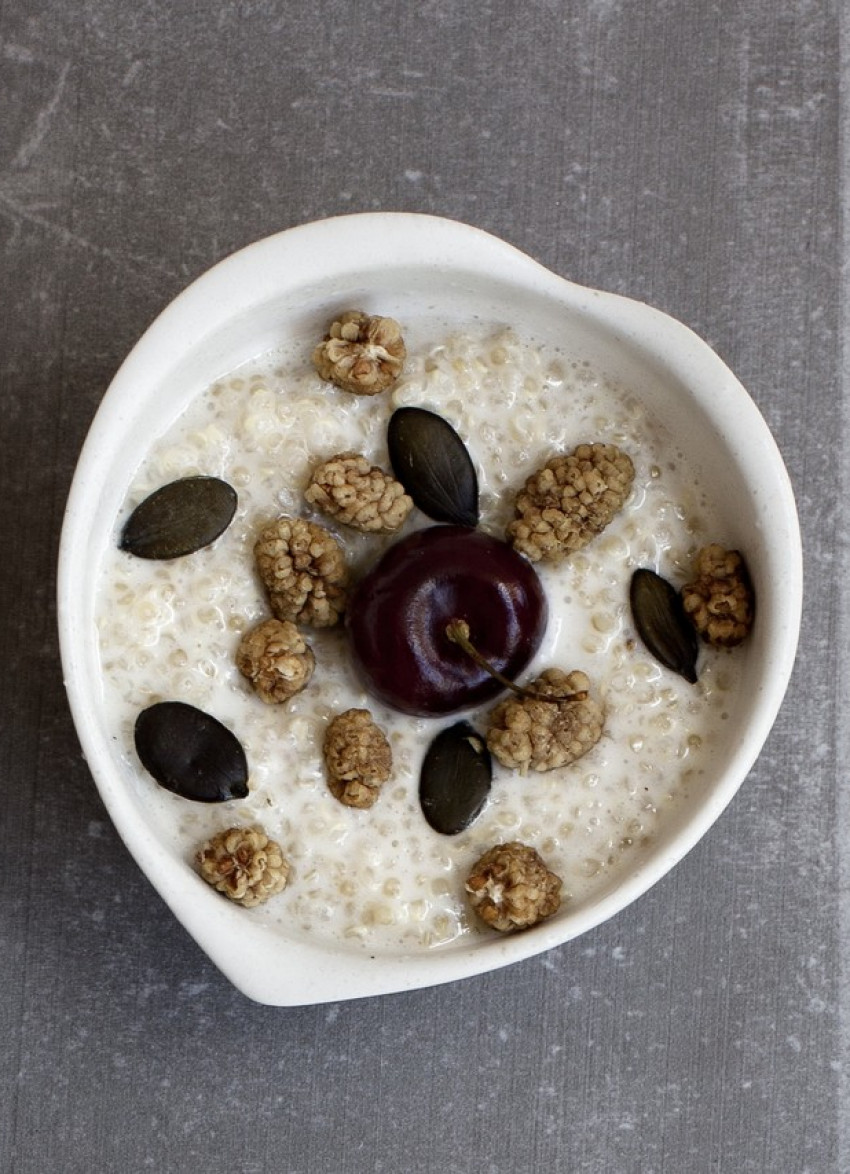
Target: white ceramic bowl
column 288, row 287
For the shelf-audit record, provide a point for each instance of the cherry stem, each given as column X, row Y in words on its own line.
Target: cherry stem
column 458, row 632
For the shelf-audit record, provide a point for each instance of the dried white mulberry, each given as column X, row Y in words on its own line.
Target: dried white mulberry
column 511, row 888
column 358, row 494
column 720, row 600
column 570, row 500
column 358, row 758
column 303, row 569
column 530, row 733
column 362, row 353
column 244, row 864
column 276, row 660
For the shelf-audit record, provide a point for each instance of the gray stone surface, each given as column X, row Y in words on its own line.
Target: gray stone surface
column 684, row 153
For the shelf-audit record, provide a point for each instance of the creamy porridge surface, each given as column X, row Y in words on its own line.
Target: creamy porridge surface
column 381, row 879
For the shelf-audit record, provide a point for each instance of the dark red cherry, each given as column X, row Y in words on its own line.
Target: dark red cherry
column 398, row 615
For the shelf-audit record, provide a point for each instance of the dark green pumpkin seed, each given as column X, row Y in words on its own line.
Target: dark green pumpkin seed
column 191, row 753
column 430, row 460
column 179, row 518
column 662, row 624
column 455, row 779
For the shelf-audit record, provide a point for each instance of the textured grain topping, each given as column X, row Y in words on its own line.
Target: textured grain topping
column 276, row 660
column 720, row 600
column 358, row 758
column 244, row 864
column 361, row 353
column 532, row 734
column 354, row 492
column 303, row 569
column 570, row 500
column 511, row 888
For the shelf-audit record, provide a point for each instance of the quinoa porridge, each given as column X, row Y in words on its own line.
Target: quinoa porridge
column 381, row 879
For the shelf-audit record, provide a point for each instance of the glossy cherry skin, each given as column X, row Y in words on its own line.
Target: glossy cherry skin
column 398, row 613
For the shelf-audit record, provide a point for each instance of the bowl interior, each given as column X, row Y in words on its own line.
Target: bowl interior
column 431, row 274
